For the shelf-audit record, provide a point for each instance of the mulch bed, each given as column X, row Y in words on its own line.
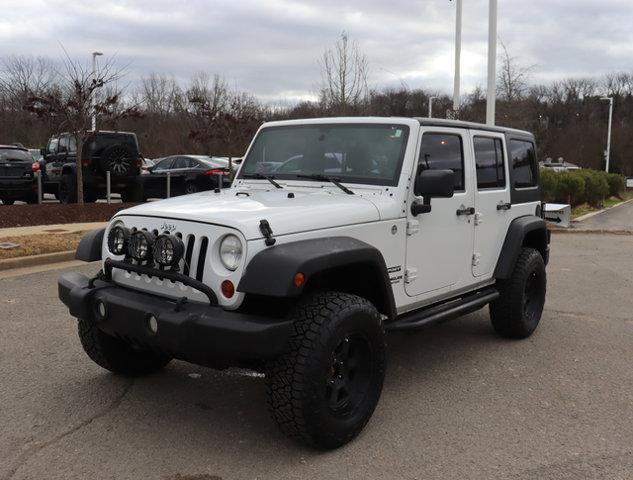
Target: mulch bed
column 49, row 214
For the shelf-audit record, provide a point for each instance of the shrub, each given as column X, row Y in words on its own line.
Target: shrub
column 571, row 188
column 617, row 184
column 550, row 181
column 596, row 186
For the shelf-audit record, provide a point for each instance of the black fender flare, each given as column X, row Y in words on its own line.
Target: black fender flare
column 271, row 272
column 521, row 228
column 89, row 249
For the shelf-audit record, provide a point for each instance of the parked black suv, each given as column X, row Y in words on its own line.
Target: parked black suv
column 17, row 175
column 103, row 151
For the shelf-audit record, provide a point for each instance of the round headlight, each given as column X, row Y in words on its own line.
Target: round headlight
column 168, row 250
column 118, row 240
column 141, row 243
column 231, row 252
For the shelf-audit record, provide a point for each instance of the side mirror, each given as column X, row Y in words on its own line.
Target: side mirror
column 432, row 184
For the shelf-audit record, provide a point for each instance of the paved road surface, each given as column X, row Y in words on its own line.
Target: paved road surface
column 618, row 218
column 458, row 402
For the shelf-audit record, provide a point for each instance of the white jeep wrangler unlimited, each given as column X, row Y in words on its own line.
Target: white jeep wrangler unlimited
column 334, row 232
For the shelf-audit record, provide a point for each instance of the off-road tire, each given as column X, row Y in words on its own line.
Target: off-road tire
column 191, row 187
column 115, row 355
column 303, row 386
column 67, row 192
column 119, row 159
column 517, row 312
column 8, row 201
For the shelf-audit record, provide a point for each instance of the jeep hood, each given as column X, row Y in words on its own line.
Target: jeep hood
column 244, row 210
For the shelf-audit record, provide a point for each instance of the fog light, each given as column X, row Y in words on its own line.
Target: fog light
column 228, row 289
column 101, row 310
column 152, row 324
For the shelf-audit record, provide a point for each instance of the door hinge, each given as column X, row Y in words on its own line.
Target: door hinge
column 410, row 274
column 479, row 218
column 476, row 259
column 413, row 227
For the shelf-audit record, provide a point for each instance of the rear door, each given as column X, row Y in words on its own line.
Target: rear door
column 492, row 199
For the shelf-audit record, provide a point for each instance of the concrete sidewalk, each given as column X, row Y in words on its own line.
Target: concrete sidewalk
column 43, row 229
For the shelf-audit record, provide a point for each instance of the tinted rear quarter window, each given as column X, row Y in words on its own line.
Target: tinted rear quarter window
column 523, row 163
column 489, row 162
column 443, row 151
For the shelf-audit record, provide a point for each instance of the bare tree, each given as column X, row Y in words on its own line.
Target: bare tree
column 512, row 80
column 344, row 71
column 70, row 103
column 618, row 84
column 159, row 94
column 21, row 75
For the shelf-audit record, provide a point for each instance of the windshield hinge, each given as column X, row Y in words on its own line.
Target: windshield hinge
column 267, row 232
column 413, row 227
column 410, row 274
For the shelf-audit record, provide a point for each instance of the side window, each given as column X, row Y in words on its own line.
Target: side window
column 164, row 164
column 523, row 158
column 190, row 162
column 443, row 151
column 489, row 162
column 63, row 144
column 72, row 144
column 180, row 162
column 52, row 145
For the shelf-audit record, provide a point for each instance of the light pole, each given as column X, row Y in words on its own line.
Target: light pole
column 431, row 106
column 492, row 63
column 607, row 153
column 458, row 52
column 94, row 92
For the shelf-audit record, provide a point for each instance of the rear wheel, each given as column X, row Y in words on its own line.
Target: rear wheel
column 8, row 201
column 115, row 355
column 67, row 192
column 133, row 193
column 517, row 312
column 191, row 187
column 325, row 388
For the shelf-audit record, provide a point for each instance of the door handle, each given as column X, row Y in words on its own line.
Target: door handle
column 504, row 206
column 466, row 211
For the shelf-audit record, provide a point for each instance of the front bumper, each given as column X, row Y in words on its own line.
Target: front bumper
column 197, row 333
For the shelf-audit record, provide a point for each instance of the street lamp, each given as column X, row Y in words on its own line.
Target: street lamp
column 431, row 106
column 607, row 153
column 94, row 93
column 492, row 63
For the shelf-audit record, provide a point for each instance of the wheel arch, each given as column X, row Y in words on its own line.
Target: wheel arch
column 334, row 263
column 528, row 231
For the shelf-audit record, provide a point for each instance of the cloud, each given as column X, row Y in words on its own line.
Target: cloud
column 271, row 47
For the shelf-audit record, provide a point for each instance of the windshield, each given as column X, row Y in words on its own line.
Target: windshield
column 352, row 153
column 12, row 154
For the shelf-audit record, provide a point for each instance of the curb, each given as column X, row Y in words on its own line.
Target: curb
column 593, row 214
column 572, row 231
column 36, row 260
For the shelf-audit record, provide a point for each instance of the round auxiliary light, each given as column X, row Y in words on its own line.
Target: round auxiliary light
column 168, row 250
column 141, row 244
column 231, row 252
column 118, row 238
column 101, row 310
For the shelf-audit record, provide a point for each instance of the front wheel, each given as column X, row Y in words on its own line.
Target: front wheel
column 115, row 355
column 324, row 390
column 517, row 312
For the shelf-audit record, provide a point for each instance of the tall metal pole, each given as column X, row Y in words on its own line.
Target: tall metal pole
column 93, row 100
column 458, row 53
column 431, row 106
column 607, row 154
column 492, row 63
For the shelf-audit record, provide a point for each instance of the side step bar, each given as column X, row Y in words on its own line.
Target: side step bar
column 446, row 310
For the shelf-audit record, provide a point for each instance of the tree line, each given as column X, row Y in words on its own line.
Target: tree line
column 205, row 115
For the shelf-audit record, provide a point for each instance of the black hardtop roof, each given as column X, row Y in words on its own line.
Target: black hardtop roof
column 98, row 132
column 439, row 122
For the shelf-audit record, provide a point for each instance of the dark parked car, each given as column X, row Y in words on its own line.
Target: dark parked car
column 188, row 174
column 117, row 152
column 17, row 175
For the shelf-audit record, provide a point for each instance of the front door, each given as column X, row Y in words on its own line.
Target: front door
column 492, row 200
column 440, row 243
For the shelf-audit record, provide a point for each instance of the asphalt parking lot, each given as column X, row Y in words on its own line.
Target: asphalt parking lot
column 458, row 402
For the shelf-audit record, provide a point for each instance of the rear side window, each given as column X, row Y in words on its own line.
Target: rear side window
column 489, row 162
column 164, row 164
column 443, row 151
column 523, row 162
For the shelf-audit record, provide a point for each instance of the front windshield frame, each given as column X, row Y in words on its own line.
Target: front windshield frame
column 343, row 178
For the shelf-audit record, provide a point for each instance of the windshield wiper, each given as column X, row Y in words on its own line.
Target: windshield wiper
column 261, row 176
column 325, row 178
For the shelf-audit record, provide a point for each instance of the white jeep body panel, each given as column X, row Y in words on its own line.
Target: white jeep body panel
column 428, row 257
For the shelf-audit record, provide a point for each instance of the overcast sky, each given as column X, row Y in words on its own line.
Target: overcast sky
column 271, row 47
